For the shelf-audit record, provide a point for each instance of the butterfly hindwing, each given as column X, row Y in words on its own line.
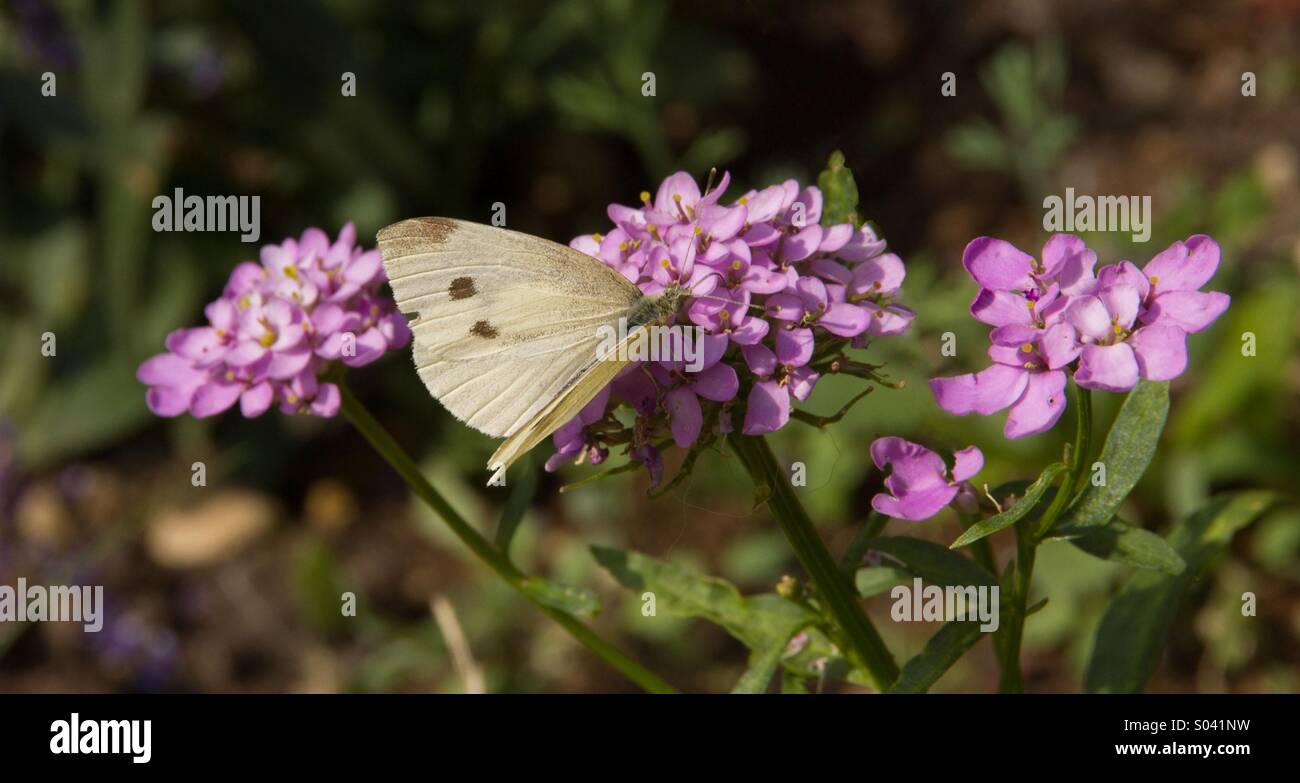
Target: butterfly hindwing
column 569, row 403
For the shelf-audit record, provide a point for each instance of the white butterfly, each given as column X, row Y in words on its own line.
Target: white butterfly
column 508, row 326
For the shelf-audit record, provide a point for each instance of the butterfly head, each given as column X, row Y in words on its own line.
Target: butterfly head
column 671, row 299
column 661, row 307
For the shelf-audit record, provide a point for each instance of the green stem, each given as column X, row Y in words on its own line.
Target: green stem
column 1009, row 679
column 834, row 588
column 1073, row 481
column 852, row 559
column 484, row 551
column 982, row 550
column 1027, row 541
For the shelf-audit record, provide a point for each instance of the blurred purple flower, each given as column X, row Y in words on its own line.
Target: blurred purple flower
column 149, row 653
column 277, row 326
column 42, row 32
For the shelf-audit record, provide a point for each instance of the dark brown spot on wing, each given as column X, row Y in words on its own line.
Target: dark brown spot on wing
column 484, row 329
column 462, row 288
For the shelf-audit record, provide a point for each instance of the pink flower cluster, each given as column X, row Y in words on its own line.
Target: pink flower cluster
column 1111, row 327
column 276, row 327
column 771, row 287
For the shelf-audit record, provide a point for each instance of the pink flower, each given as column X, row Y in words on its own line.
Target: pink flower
column 814, row 303
column 781, row 374
column 1055, row 316
column 919, row 483
column 1025, row 377
column 276, row 327
column 573, row 442
column 1113, row 353
column 769, row 285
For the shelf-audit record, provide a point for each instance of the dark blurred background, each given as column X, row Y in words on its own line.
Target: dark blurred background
column 235, row 586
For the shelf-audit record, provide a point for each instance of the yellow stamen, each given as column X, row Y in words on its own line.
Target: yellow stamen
column 1027, row 348
column 598, row 237
column 743, row 200
column 267, row 339
column 1154, row 280
column 645, row 195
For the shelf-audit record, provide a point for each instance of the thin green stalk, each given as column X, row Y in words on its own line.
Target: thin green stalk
column 484, row 551
column 852, row 559
column 1009, row 679
column 982, row 550
column 1027, row 541
column 1073, row 481
column 834, row 588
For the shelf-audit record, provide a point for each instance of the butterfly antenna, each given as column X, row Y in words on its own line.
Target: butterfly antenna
column 725, row 300
column 695, row 224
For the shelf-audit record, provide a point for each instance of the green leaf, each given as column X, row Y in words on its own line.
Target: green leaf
column 714, row 148
column 933, row 563
column 1132, row 633
column 567, row 598
column 1033, row 494
column 944, row 648
column 978, row 145
column 58, row 281
column 839, row 192
column 1124, row 543
column 1009, row 79
column 793, row 682
column 82, row 413
column 762, row 665
column 1130, row 445
column 875, row 580
column 316, row 577
column 819, row 657
column 677, row 590
column 521, row 496
column 764, row 623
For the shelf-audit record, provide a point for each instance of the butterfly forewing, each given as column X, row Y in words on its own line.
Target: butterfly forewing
column 504, row 322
